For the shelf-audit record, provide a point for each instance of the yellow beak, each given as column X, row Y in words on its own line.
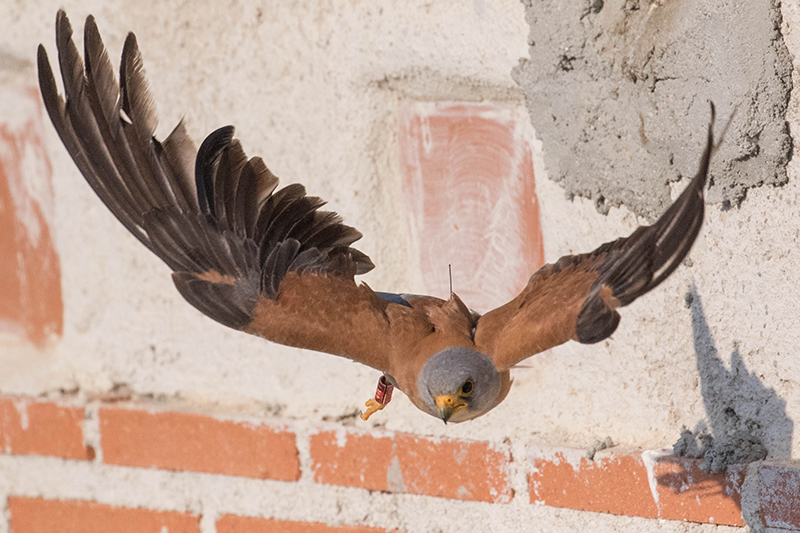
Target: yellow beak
column 447, row 404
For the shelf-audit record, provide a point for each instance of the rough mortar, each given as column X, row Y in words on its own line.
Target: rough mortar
column 618, row 92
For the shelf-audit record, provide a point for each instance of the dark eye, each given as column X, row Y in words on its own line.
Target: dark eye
column 466, row 388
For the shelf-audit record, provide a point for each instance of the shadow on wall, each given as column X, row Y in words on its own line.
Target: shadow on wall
column 748, row 421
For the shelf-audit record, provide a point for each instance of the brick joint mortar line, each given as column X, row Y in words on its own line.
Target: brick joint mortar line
column 208, row 519
column 519, row 465
column 91, row 429
column 303, row 433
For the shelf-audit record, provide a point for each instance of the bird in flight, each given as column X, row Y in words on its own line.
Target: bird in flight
column 272, row 263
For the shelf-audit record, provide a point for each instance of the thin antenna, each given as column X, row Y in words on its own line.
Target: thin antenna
column 450, row 270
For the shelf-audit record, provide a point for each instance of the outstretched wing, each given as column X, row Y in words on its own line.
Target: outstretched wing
column 577, row 297
column 251, row 257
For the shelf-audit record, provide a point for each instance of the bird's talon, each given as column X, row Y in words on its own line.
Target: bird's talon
column 383, row 395
column 372, row 408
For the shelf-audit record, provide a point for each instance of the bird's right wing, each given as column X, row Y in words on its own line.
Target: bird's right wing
column 251, row 257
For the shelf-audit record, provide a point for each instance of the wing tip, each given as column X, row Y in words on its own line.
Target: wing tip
column 63, row 27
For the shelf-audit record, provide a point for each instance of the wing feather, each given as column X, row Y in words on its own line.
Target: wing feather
column 577, row 297
column 102, row 92
column 228, row 175
column 138, row 105
column 256, row 184
column 177, row 153
column 111, row 193
column 248, row 255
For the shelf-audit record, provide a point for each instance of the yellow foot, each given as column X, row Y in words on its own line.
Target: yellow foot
column 372, row 408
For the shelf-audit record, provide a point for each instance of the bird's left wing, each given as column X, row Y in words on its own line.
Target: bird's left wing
column 251, row 257
column 577, row 297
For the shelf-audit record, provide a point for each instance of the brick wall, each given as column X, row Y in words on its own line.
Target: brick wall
column 134, row 440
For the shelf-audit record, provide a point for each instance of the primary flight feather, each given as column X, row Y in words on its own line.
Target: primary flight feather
column 270, row 262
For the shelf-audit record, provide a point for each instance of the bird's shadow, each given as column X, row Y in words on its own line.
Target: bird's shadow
column 748, row 421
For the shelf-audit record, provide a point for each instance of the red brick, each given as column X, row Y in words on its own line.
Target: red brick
column 454, row 469
column 181, row 441
column 42, row 428
column 362, row 462
column 615, row 484
column 410, row 464
column 779, row 488
column 36, row 515
column 618, row 482
column 31, row 306
column 471, row 199
column 685, row 492
column 245, row 524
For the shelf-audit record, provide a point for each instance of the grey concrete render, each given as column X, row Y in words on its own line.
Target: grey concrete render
column 618, row 92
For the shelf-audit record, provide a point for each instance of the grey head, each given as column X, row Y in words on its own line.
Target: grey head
column 459, row 383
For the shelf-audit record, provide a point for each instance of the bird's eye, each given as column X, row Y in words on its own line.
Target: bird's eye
column 466, row 388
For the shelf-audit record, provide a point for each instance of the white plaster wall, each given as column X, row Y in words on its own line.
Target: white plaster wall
column 313, row 87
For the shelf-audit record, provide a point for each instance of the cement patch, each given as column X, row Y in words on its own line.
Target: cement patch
column 618, row 92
